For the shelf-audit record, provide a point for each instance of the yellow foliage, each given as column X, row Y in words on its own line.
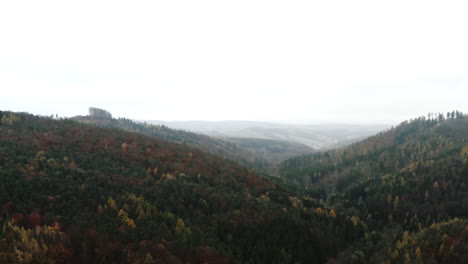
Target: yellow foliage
column 148, row 258
column 111, row 203
column 319, row 211
column 412, row 167
column 264, row 197
column 464, row 152
column 295, row 202
column 130, row 222
column 124, row 147
column 441, row 250
column 122, row 215
column 9, row 119
column 417, row 252
column 396, row 202
column 41, row 242
column 445, row 239
column 180, row 226
column 407, row 259
column 399, row 245
column 168, row 177
column 332, row 213
column 405, row 237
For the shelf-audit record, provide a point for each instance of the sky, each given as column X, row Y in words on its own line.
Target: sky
column 281, row 61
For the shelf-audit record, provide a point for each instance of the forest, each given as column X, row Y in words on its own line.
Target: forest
column 407, row 183
column 76, row 192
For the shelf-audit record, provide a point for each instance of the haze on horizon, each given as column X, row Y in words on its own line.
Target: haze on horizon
column 277, row 61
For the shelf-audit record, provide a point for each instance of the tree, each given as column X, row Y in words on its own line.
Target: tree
column 332, row 213
column 111, row 203
column 396, row 202
column 99, row 113
column 124, row 147
column 418, row 259
column 396, row 255
column 35, row 218
column 407, row 259
column 180, row 226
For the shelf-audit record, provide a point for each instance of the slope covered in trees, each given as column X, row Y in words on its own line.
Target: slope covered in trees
column 76, row 193
column 408, row 184
column 274, row 151
column 262, row 155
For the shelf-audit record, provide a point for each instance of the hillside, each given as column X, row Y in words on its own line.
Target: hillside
column 74, row 193
column 408, row 181
column 77, row 193
column 271, row 150
column 262, row 155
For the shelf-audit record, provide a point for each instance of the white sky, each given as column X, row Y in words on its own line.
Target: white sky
column 289, row 61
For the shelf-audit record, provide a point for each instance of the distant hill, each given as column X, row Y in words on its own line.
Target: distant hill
column 314, row 136
column 417, row 140
column 263, row 155
column 77, row 193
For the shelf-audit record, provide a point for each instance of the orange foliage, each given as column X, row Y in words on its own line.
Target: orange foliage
column 18, row 218
column 124, row 147
column 35, row 218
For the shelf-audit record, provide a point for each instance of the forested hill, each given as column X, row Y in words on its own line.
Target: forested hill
column 407, row 147
column 74, row 193
column 409, row 183
column 262, row 155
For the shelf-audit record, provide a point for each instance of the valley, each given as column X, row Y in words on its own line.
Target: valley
column 96, row 189
column 321, row 136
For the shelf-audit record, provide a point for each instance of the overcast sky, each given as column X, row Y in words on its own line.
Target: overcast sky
column 289, row 61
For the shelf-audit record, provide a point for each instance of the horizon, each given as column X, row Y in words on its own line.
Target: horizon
column 274, row 122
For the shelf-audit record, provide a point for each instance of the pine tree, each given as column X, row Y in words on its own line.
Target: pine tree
column 418, row 259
